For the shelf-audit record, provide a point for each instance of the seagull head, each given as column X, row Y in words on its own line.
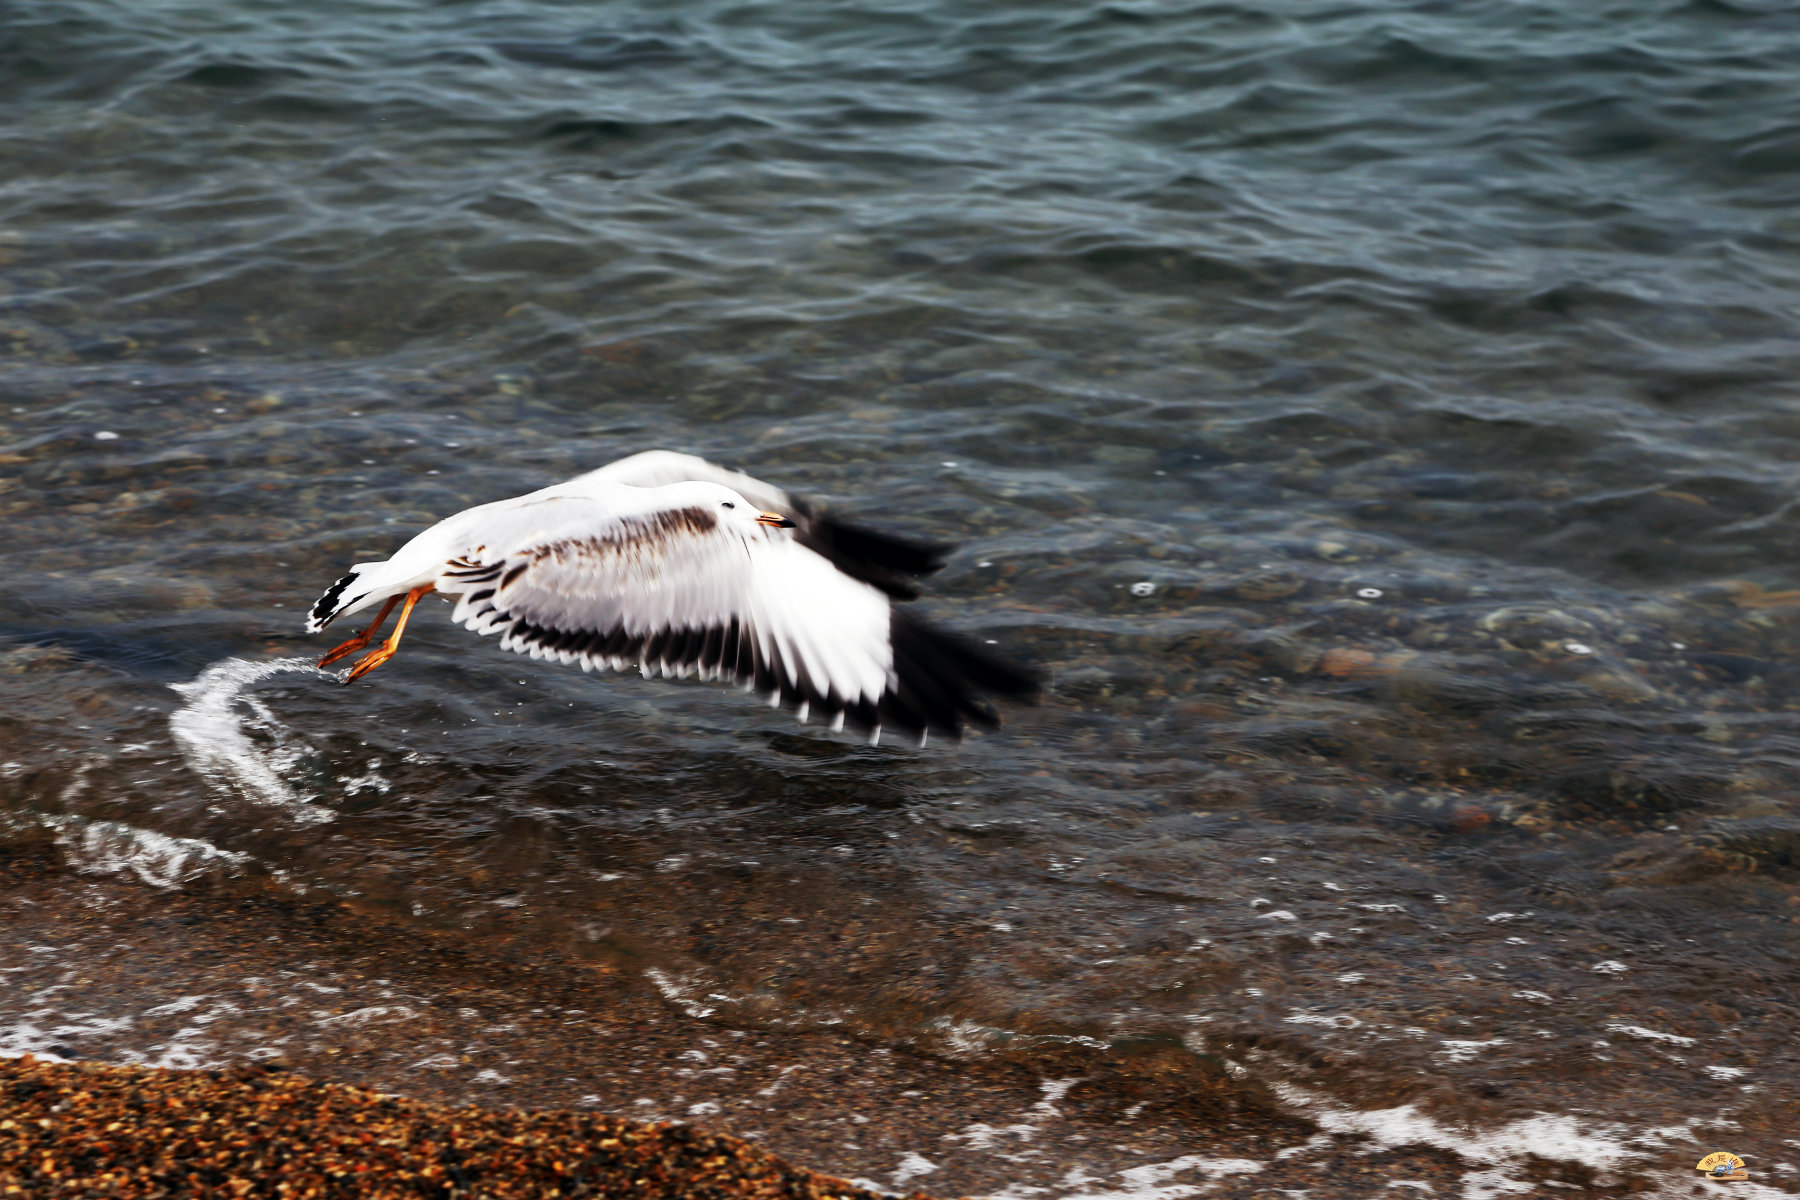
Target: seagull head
column 733, row 510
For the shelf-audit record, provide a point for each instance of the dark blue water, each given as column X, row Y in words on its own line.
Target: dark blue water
column 1427, row 367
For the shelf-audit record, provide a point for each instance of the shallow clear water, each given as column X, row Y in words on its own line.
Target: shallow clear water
column 1377, row 420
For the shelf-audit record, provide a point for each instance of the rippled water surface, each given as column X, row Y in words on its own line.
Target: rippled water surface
column 1377, row 419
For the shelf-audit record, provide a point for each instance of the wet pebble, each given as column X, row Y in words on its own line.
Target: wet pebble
column 136, row 1132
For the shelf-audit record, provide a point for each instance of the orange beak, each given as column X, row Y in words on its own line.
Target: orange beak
column 774, row 520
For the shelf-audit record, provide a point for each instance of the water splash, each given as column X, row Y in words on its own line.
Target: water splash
column 211, row 729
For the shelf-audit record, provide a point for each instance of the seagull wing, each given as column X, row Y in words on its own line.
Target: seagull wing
column 677, row 593
column 655, row 468
column 883, row 559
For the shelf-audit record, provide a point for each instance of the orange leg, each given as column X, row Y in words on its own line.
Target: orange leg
column 385, row 651
column 362, row 639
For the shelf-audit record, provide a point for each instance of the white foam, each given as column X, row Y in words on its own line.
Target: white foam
column 1653, row 1035
column 27, row 1036
column 1548, row 1135
column 185, row 1004
column 972, row 1037
column 1329, row 1020
column 114, row 848
column 42, row 1027
column 989, row 1138
column 1683, row 1187
column 679, row 992
column 1500, row 1160
column 1457, row 1051
column 912, row 1165
column 1153, row 1181
column 192, row 1047
column 371, row 779
column 211, row 731
column 1499, row 1154
column 184, row 1052
column 1493, row 1183
column 1053, row 1092
column 375, row 1014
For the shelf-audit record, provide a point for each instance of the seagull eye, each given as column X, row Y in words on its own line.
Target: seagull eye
column 727, row 504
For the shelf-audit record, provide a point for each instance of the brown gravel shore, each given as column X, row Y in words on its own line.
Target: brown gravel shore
column 86, row 1129
column 535, row 1049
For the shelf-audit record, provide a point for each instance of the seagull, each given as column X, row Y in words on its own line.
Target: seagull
column 676, row 566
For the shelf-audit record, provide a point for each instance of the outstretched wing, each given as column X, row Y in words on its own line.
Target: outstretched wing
column 678, row 593
column 882, row 559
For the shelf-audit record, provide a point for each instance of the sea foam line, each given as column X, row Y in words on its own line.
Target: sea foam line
column 115, row 848
column 1501, row 1151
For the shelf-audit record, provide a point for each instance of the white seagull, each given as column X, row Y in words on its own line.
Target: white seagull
column 678, row 567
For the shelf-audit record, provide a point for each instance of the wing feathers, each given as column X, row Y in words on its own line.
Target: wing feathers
column 682, row 597
column 938, row 685
column 679, row 579
column 941, row 678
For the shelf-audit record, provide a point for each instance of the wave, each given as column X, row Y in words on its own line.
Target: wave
column 115, row 848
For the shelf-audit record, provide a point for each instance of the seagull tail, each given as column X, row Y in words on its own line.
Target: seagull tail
column 329, row 606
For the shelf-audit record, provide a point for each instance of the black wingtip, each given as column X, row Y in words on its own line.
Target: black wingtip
column 884, row 560
column 886, row 549
column 942, row 682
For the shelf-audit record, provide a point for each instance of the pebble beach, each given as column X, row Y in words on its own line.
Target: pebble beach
column 85, row 1130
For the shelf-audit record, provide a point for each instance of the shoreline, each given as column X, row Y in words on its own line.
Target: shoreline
column 221, row 982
